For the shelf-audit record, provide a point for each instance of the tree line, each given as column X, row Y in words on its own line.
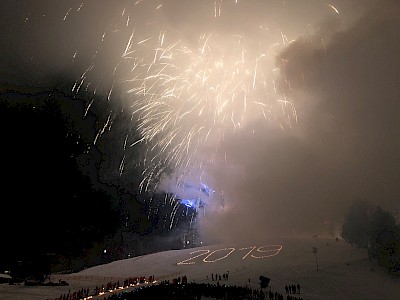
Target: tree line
column 59, row 211
column 51, row 212
column 371, row 227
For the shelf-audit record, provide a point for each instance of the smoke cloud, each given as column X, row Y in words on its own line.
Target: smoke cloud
column 344, row 80
column 338, row 63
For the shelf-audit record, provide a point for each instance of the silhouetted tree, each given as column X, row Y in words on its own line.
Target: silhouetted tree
column 383, row 227
column 376, row 229
column 49, row 208
column 389, row 255
column 355, row 229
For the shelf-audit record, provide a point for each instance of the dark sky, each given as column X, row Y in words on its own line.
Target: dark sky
column 341, row 71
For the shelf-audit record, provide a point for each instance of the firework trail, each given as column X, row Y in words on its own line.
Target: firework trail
column 185, row 95
column 188, row 87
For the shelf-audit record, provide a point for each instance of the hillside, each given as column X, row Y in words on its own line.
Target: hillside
column 343, row 272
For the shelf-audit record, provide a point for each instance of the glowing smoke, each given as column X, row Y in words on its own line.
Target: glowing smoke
column 233, row 94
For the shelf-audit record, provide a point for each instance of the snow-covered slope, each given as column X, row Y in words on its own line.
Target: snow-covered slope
column 343, row 272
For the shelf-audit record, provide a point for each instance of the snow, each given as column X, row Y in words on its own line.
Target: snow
column 343, row 272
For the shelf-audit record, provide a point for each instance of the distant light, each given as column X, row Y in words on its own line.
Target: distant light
column 105, row 251
column 191, row 203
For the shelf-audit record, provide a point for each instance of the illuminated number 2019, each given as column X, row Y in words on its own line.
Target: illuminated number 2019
column 267, row 251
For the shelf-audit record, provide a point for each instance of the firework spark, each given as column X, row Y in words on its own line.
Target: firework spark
column 188, row 96
column 187, row 89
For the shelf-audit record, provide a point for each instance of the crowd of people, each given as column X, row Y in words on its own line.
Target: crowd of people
column 180, row 289
column 190, row 291
column 108, row 287
column 219, row 277
column 292, row 289
column 278, row 296
column 76, row 295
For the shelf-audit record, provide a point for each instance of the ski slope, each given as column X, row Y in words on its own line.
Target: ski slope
column 343, row 272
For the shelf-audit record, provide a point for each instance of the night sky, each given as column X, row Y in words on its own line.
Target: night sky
column 325, row 134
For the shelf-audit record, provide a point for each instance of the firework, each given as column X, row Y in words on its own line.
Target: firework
column 187, row 96
column 187, row 88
